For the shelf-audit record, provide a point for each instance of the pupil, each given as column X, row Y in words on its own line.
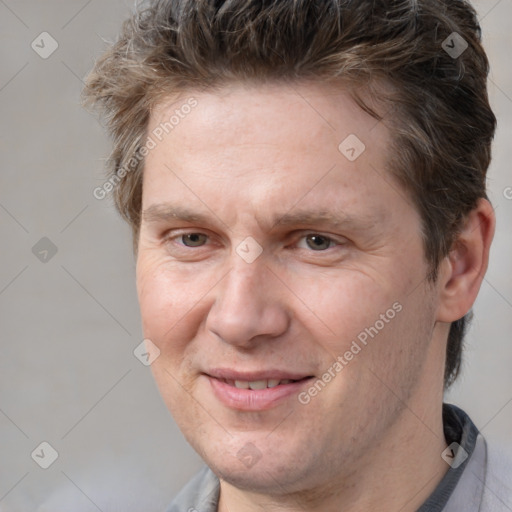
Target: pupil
column 318, row 242
column 193, row 239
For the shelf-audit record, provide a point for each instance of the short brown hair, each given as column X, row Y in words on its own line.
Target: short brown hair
column 442, row 124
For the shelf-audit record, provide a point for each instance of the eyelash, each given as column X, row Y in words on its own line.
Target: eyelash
column 172, row 238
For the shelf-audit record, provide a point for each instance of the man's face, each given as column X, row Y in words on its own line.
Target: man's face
column 267, row 254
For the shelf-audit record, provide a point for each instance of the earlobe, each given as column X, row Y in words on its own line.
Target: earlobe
column 465, row 266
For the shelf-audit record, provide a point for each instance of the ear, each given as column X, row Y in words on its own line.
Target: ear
column 463, row 269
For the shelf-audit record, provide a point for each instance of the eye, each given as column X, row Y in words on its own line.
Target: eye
column 193, row 239
column 317, row 242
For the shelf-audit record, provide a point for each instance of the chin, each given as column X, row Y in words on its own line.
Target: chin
column 261, row 480
column 267, row 470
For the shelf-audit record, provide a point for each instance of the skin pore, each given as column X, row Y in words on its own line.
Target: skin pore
column 336, row 243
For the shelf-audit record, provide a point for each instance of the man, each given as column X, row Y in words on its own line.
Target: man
column 305, row 181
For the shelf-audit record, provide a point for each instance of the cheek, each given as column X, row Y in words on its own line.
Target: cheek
column 347, row 304
column 172, row 304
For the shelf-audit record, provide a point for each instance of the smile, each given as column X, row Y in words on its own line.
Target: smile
column 255, row 394
column 258, row 384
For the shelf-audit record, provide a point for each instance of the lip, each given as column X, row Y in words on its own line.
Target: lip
column 229, row 374
column 258, row 399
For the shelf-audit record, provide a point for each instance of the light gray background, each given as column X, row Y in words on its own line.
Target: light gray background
column 68, row 375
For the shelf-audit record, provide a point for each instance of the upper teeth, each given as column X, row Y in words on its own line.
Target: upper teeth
column 260, row 384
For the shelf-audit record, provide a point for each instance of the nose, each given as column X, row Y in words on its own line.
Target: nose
column 249, row 307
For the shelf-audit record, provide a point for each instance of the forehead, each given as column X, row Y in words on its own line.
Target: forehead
column 272, row 146
column 300, row 120
column 317, row 106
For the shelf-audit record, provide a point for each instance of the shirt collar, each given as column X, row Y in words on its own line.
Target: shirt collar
column 462, row 486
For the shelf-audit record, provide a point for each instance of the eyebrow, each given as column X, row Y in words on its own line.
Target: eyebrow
column 164, row 212
column 335, row 219
column 167, row 212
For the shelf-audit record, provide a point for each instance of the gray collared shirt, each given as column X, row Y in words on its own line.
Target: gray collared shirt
column 461, row 489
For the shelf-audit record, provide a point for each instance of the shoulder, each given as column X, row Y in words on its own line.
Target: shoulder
column 201, row 494
column 497, row 493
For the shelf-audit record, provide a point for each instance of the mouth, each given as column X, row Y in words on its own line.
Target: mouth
column 255, row 391
column 260, row 384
